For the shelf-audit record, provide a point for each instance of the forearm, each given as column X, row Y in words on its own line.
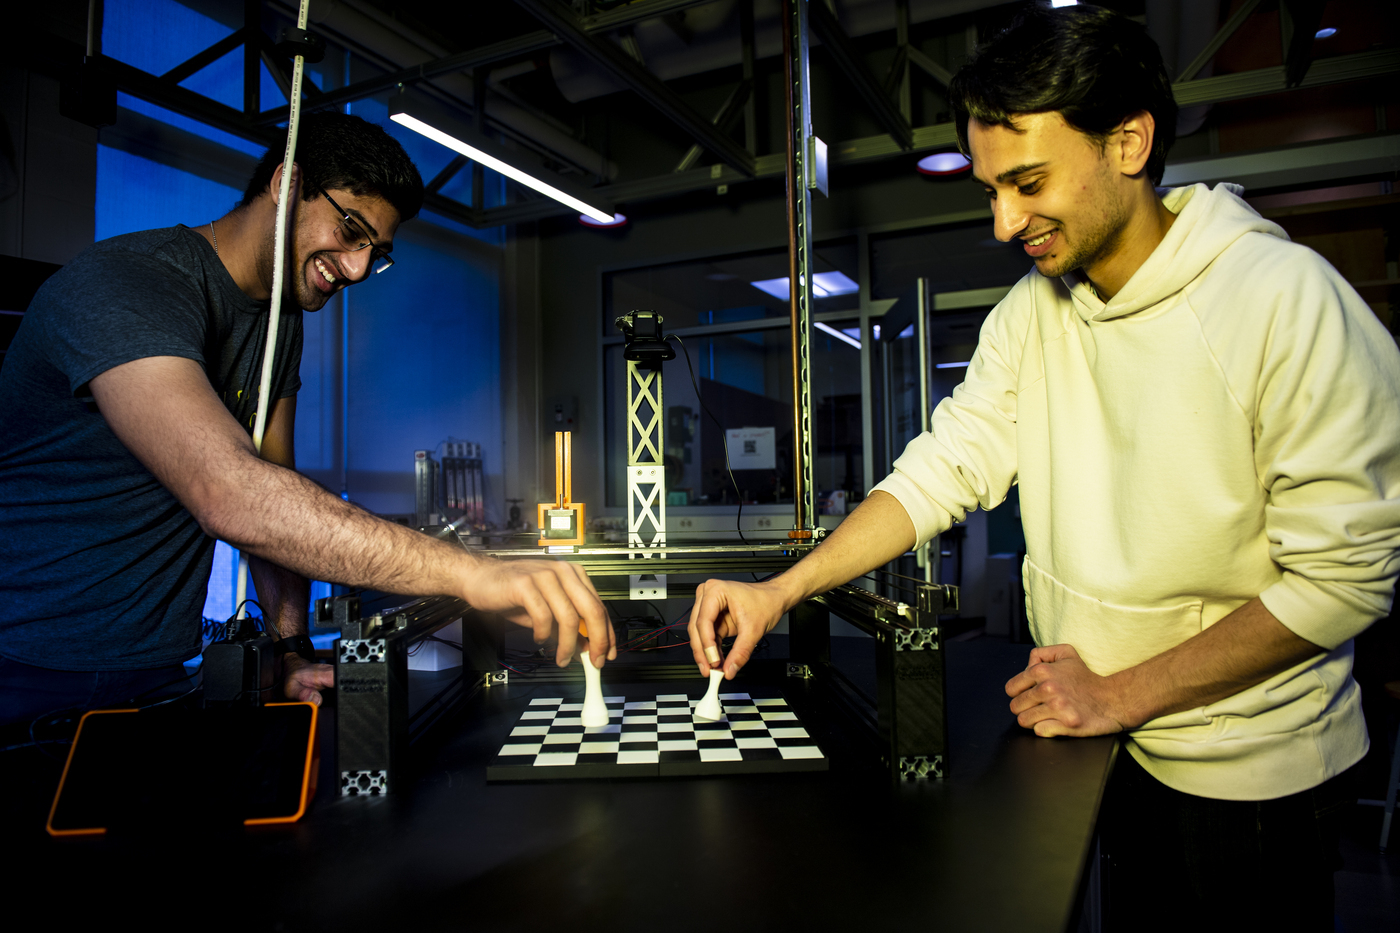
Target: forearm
column 283, row 596
column 1245, row 648
column 286, row 519
column 877, row 532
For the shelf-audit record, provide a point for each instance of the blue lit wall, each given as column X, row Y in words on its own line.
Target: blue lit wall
column 423, row 340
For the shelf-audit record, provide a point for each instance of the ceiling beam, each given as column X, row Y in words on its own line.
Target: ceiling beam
column 843, row 53
column 1257, row 83
column 1304, row 164
column 507, row 49
column 1213, row 46
column 650, row 88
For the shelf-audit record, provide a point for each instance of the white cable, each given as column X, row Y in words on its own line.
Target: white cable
column 279, row 253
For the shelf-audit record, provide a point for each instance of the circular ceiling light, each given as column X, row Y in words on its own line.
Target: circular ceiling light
column 617, row 221
column 1325, row 32
column 944, row 163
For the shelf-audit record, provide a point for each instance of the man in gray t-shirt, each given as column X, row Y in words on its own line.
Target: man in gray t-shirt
column 125, row 416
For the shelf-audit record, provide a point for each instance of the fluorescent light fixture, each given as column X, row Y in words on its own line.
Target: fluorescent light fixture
column 824, row 285
column 827, row 329
column 617, row 221
column 1060, row 3
column 943, row 163
column 1326, row 32
column 476, row 150
column 961, row 365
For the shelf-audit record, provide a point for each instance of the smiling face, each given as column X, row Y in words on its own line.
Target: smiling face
column 322, row 263
column 1056, row 190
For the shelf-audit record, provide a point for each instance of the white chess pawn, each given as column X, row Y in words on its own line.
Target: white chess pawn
column 709, row 708
column 595, row 709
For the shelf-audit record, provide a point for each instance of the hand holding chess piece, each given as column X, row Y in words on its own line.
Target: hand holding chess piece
column 595, row 709
column 709, row 707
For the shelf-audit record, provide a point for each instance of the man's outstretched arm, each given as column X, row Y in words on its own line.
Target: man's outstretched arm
column 166, row 413
column 282, row 593
column 877, row 532
column 1058, row 695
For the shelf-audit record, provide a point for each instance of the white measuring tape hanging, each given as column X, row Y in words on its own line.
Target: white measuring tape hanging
column 275, row 314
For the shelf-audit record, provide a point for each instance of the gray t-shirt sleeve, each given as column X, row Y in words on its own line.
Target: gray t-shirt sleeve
column 119, row 306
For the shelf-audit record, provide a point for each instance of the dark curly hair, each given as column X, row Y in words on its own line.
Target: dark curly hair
column 1092, row 65
column 336, row 150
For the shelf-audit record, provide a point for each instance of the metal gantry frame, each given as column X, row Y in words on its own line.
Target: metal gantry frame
column 800, row 159
column 646, row 474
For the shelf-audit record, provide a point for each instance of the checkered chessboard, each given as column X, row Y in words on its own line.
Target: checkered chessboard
column 655, row 738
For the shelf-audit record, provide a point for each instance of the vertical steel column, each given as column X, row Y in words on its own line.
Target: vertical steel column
column 930, row 556
column 799, row 136
column 646, row 474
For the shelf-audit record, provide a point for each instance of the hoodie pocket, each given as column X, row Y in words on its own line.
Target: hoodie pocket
column 1108, row 637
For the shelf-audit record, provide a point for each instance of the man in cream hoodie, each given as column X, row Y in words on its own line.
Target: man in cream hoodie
column 1204, row 423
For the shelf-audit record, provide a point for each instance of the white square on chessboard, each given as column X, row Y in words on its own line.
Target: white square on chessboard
column 570, row 707
column 687, row 728
column 772, row 717
column 563, row 738
column 555, row 759
column 721, row 754
column 672, row 698
column 538, row 714
column 567, row 721
column 770, row 701
column 612, row 727
column 756, row 743
column 789, row 732
column 649, row 757
column 802, row 751
column 630, row 737
column 677, row 746
column 598, row 748
column 521, row 749
column 733, row 696
column 713, row 735
column 741, row 709
column 529, row 730
column 639, row 720
column 547, row 701
column 747, row 726
column 640, row 704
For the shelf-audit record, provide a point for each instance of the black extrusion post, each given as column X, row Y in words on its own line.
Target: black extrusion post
column 371, row 680
column 910, row 674
column 809, row 634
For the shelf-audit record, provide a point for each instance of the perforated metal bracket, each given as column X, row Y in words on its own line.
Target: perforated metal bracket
column 364, row 783
column 361, row 650
column 646, row 586
column 495, row 678
column 919, row 639
column 801, row 671
column 921, row 768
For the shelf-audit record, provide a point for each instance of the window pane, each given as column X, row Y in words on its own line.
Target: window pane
column 731, row 288
column 836, row 408
column 951, row 258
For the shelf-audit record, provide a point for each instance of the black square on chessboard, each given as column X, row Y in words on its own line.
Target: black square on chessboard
column 658, row 737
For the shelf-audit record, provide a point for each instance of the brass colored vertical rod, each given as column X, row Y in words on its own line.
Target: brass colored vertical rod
column 558, row 469
column 568, row 467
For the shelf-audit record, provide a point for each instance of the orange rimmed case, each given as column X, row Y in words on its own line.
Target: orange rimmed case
column 116, row 756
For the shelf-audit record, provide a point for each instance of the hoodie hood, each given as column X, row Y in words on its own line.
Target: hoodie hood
column 1208, row 220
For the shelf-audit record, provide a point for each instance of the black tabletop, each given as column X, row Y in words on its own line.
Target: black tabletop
column 1000, row 845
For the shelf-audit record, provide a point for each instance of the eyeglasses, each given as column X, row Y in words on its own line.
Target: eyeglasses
column 353, row 237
